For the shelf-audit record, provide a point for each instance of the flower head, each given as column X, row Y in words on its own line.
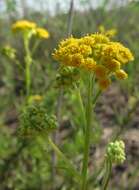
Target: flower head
column 121, row 74
column 23, row 25
column 42, row 33
column 112, row 65
column 89, row 64
column 95, row 53
column 116, row 152
column 117, row 51
column 100, row 38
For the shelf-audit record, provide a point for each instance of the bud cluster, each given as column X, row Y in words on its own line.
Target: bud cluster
column 116, row 152
column 35, row 120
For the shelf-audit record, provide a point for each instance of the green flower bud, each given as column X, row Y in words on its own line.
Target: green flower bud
column 67, row 77
column 35, row 99
column 116, row 152
column 35, row 120
column 8, row 52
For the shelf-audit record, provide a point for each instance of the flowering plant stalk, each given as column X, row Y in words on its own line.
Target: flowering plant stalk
column 87, row 133
column 108, row 168
column 66, row 160
column 93, row 60
column 28, row 61
column 28, row 30
column 100, row 59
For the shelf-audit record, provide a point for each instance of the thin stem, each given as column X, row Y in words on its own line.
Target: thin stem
column 107, row 175
column 96, row 97
column 28, row 62
column 56, row 135
column 36, row 45
column 87, row 135
column 93, row 178
column 19, row 64
column 80, row 101
column 63, row 157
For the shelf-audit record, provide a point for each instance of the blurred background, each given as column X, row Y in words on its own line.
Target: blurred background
column 26, row 166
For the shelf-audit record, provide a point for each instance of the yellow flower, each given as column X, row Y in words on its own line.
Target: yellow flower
column 104, row 83
column 117, row 51
column 42, row 33
column 125, row 56
column 68, row 53
column 67, row 61
column 100, row 71
column 77, row 60
column 100, row 38
column 87, row 40
column 112, row 65
column 68, row 41
column 89, row 64
column 121, row 74
column 85, row 50
column 22, row 25
column 72, row 48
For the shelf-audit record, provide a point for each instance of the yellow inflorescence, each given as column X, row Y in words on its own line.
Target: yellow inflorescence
column 121, row 74
column 95, row 53
column 22, row 25
column 42, row 33
column 115, row 50
column 90, row 64
column 31, row 28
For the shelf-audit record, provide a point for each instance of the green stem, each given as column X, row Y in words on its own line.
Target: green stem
column 97, row 174
column 80, row 101
column 35, row 47
column 28, row 61
column 87, row 135
column 107, row 175
column 63, row 157
column 96, row 97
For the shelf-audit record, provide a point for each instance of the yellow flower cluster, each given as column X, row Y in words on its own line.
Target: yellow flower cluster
column 24, row 25
column 42, row 33
column 95, row 53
